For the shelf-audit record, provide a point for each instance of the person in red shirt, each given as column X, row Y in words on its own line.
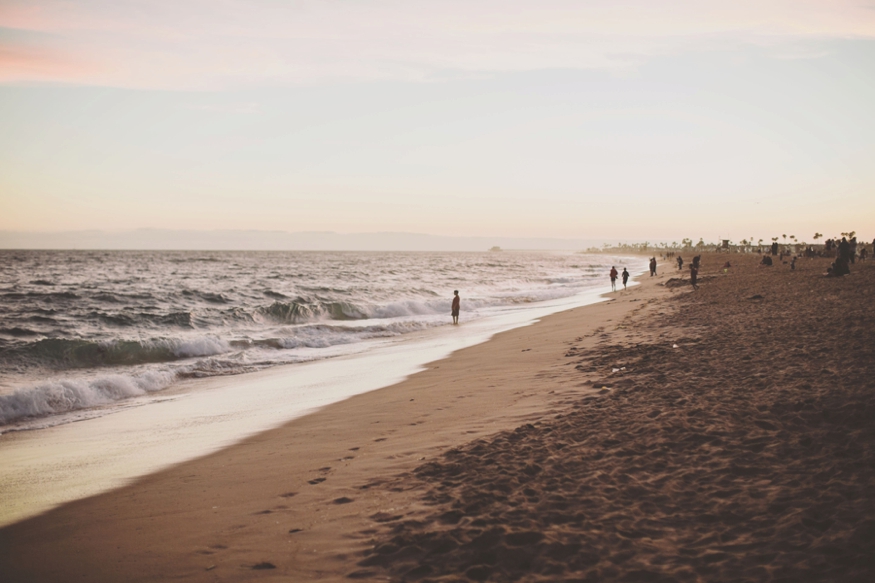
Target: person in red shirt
column 456, row 303
column 614, row 275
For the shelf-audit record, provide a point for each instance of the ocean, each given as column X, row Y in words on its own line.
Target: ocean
column 84, row 329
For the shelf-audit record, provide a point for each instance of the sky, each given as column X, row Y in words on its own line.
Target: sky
column 615, row 120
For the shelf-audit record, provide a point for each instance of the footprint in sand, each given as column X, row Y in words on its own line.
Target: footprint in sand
column 315, row 481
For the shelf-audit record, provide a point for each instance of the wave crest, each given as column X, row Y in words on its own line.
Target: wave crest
column 85, row 353
column 67, row 395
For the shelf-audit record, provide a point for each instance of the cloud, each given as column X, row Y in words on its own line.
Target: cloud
column 208, row 45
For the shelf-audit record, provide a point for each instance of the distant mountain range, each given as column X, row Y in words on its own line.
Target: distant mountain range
column 162, row 239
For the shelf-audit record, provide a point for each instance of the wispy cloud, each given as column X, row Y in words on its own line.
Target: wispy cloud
column 206, row 45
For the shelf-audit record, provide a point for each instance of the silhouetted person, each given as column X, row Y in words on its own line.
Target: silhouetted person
column 694, row 276
column 845, row 251
column 613, row 278
column 625, row 277
column 652, row 266
column 456, row 304
column 853, row 244
column 838, row 268
column 680, row 262
column 774, row 248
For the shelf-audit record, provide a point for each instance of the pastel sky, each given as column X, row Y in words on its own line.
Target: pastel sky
column 621, row 119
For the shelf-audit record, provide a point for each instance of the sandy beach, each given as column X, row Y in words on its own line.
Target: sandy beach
column 723, row 434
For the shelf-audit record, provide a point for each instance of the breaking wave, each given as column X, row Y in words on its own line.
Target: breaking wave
column 64, row 353
column 64, row 396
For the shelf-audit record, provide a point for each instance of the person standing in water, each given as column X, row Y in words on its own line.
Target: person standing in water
column 614, row 278
column 456, row 303
column 625, row 277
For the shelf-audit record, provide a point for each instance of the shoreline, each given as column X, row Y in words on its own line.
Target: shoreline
column 74, row 460
column 387, row 444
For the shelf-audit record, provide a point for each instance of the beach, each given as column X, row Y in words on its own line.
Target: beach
column 668, row 434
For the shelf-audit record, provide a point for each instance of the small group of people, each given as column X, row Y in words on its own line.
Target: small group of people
column 847, row 249
column 845, row 255
column 652, row 266
column 614, row 275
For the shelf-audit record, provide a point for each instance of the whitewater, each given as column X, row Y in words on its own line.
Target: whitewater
column 81, row 331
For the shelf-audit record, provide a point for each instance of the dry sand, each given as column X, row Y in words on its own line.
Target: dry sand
column 584, row 447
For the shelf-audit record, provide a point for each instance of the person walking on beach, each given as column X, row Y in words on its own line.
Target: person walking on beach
column 614, row 278
column 625, row 277
column 456, row 303
column 652, row 266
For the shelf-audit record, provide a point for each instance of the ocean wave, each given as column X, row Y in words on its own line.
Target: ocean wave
column 213, row 298
column 301, row 310
column 18, row 332
column 74, row 353
column 66, row 395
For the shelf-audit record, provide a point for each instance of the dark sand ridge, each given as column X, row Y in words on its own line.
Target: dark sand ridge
column 298, row 498
column 746, row 453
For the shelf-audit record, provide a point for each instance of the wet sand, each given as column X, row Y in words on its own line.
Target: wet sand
column 584, row 447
